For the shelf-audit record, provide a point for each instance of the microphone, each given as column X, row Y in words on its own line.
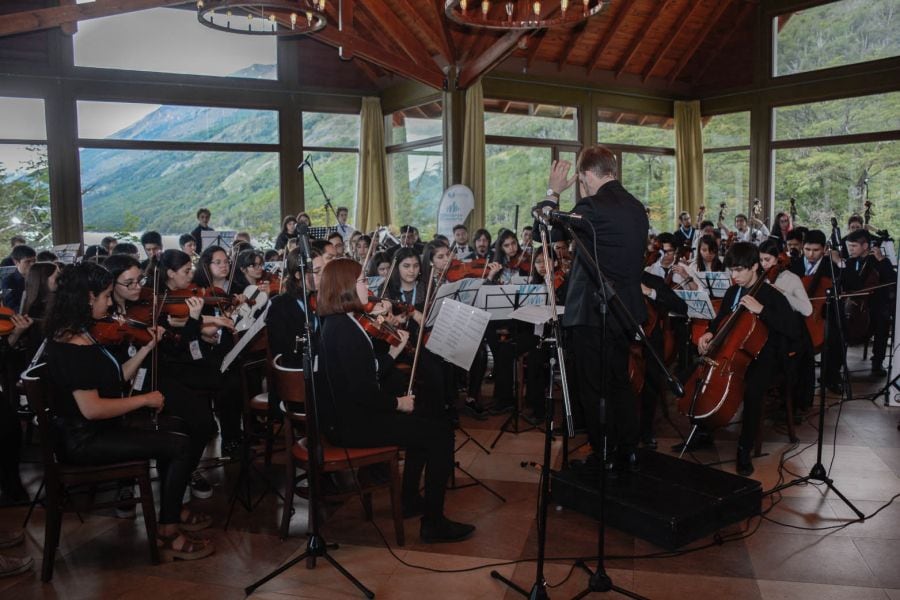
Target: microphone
column 303, row 239
column 561, row 214
column 307, row 162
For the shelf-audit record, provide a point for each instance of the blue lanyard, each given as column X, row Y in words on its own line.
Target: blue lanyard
column 403, row 294
column 737, row 299
column 108, row 355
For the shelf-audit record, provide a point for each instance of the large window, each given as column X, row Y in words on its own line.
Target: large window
column 832, row 157
column 835, row 34
column 521, row 140
column 24, row 183
column 150, row 167
column 645, row 150
column 726, row 165
column 416, row 164
column 332, row 142
column 188, row 47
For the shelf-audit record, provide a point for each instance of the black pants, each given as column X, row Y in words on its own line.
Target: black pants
column 10, row 448
column 653, row 392
column 205, row 376
column 135, row 439
column 194, row 411
column 881, row 316
column 619, row 415
column 759, row 376
column 429, row 447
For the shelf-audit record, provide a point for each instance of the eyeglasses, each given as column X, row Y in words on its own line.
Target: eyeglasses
column 218, row 263
column 130, row 283
column 256, row 265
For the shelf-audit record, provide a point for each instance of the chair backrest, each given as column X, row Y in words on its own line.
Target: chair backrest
column 290, row 384
column 38, row 392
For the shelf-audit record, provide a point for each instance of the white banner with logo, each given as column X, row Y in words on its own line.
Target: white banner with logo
column 456, row 204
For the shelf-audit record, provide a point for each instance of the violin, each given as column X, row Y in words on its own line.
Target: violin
column 458, row 269
column 112, row 331
column 379, row 329
column 246, row 313
column 6, row 324
column 173, row 302
column 521, row 261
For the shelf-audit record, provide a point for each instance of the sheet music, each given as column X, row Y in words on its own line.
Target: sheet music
column 248, row 336
column 699, row 304
column 374, row 284
column 457, row 332
column 464, row 290
column 67, row 253
column 321, row 233
column 501, row 300
column 717, row 281
column 222, row 239
column 890, row 251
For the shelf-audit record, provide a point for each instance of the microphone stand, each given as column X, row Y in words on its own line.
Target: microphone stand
column 316, row 547
column 328, row 205
column 818, row 471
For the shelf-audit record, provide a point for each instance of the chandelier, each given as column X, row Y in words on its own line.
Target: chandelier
column 521, row 14
column 263, row 17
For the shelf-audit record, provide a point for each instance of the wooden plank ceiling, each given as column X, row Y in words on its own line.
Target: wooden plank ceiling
column 677, row 46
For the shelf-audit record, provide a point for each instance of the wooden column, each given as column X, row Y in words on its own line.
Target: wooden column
column 454, row 105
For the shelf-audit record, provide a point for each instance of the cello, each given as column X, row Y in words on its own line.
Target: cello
column 816, row 286
column 715, row 389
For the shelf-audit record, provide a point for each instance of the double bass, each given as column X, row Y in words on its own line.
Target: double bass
column 715, row 389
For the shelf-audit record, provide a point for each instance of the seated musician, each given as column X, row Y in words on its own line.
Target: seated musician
column 286, row 319
column 461, row 247
column 817, row 262
column 356, row 411
column 509, row 256
column 213, row 269
column 361, row 247
column 98, row 423
column 288, row 233
column 865, row 268
column 772, row 308
column 707, row 261
column 337, row 240
column 379, row 265
column 14, row 284
column 668, row 267
column 799, row 366
column 250, row 271
column 483, row 244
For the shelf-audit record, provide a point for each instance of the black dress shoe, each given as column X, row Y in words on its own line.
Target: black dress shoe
column 444, row 530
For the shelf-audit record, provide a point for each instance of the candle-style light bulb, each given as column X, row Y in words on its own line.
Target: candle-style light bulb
column 537, row 8
column 200, row 5
column 564, row 5
column 485, row 7
column 293, row 20
column 309, row 17
column 463, row 5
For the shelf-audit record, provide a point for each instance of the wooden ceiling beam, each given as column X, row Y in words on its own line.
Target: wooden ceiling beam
column 487, row 60
column 367, row 69
column 386, row 18
column 48, row 18
column 444, row 35
column 673, row 35
column 571, row 44
column 720, row 9
column 425, row 28
column 536, row 41
column 742, row 16
column 641, row 35
column 354, row 45
column 607, row 37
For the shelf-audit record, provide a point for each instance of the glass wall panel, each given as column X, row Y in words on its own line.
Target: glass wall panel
column 846, row 116
column 134, row 41
column 416, row 124
column 535, row 121
column 417, row 184
column 164, row 123
column 22, row 119
column 835, row 181
column 651, row 179
column 633, row 129
column 24, row 194
column 330, row 130
column 727, row 173
column 835, row 34
column 136, row 190
column 516, row 176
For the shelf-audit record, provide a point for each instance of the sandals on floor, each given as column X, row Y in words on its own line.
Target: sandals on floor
column 196, row 521
column 191, row 549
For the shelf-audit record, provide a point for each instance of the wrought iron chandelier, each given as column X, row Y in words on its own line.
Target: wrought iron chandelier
column 263, row 17
column 521, row 14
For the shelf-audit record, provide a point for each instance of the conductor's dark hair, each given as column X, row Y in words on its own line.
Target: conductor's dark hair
column 742, row 254
column 70, row 308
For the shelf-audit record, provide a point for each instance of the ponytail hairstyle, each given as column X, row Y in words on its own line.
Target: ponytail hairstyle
column 70, row 311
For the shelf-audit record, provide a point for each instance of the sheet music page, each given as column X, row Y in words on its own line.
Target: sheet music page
column 67, row 253
column 699, row 304
column 464, row 290
column 223, row 239
column 500, row 300
column 248, row 336
column 887, row 246
column 457, row 333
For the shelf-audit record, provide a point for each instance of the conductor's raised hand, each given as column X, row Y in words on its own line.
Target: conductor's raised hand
column 559, row 180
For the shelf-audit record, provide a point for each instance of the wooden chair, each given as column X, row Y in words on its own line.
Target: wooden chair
column 62, row 480
column 291, row 388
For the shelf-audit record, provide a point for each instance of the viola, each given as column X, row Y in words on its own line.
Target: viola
column 379, row 329
column 111, row 331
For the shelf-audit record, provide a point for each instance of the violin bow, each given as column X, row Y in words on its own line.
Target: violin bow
column 428, row 291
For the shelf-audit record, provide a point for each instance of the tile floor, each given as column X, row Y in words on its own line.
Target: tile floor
column 106, row 557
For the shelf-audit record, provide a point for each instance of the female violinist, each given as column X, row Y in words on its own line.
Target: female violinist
column 781, row 229
column 286, row 319
column 772, row 308
column 357, row 411
column 98, row 423
column 379, row 265
column 288, row 233
column 213, row 269
column 250, row 270
column 510, row 258
column 707, row 261
column 181, row 402
column 361, row 247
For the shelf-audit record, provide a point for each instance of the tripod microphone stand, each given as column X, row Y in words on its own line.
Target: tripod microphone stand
column 328, row 205
column 818, row 471
column 316, row 547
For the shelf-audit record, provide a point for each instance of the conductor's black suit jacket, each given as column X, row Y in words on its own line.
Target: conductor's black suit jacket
column 620, row 224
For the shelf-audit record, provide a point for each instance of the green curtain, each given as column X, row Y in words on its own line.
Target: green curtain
column 688, row 158
column 372, row 203
column 473, row 153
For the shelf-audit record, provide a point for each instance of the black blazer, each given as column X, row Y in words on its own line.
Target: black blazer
column 348, row 379
column 286, row 326
column 621, row 226
column 777, row 315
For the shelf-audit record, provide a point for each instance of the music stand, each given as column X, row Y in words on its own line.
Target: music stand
column 501, row 301
column 321, row 233
column 222, row 239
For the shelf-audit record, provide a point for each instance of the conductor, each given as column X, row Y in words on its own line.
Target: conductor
column 617, row 223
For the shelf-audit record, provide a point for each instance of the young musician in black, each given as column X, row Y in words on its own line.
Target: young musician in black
column 773, row 309
column 355, row 410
